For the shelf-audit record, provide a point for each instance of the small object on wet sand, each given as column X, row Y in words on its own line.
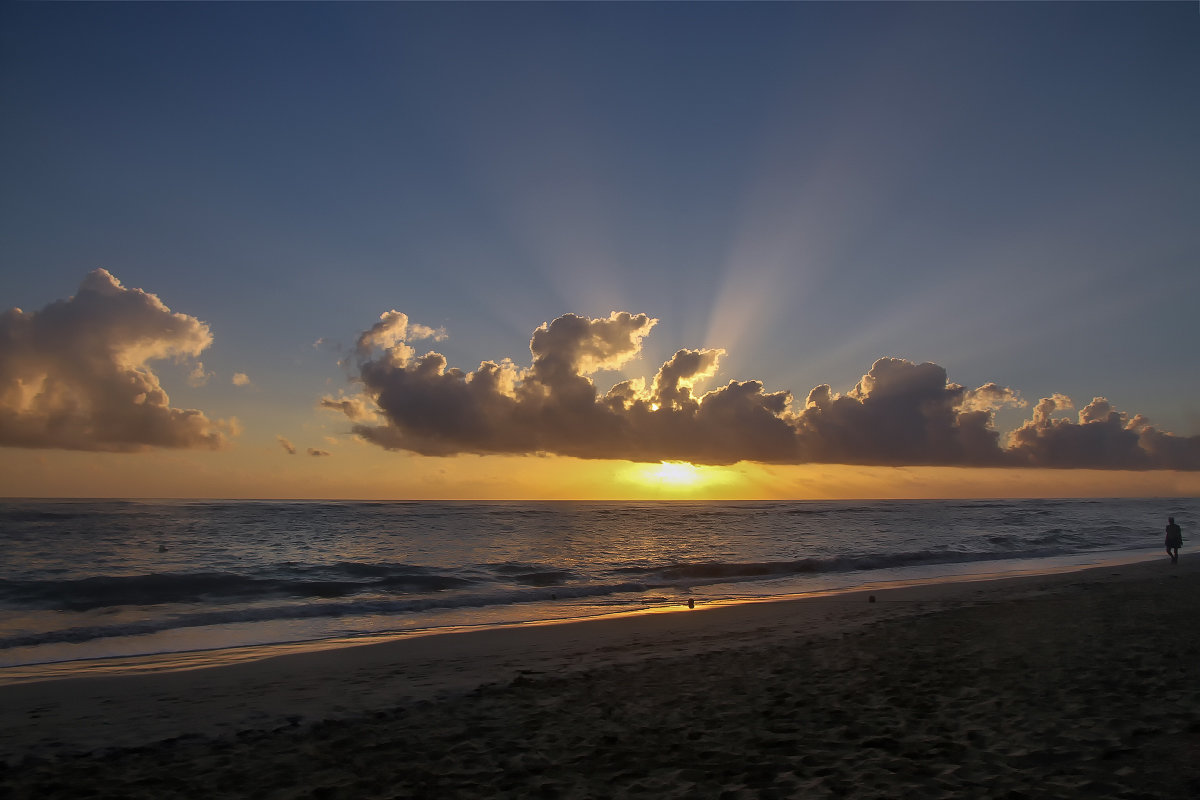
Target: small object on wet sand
column 871, row 598
column 162, row 548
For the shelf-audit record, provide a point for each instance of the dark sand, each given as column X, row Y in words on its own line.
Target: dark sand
column 1078, row 685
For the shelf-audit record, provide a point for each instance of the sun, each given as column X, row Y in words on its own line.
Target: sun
column 671, row 475
column 680, row 480
column 675, row 473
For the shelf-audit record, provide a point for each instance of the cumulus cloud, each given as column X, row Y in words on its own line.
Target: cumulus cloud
column 991, row 397
column 899, row 413
column 390, row 333
column 75, row 375
column 1101, row 438
column 198, row 377
column 241, row 379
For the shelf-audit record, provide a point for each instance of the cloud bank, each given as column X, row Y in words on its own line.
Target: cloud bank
column 899, row 414
column 74, row 375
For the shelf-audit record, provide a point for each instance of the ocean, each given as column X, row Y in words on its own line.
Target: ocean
column 88, row 585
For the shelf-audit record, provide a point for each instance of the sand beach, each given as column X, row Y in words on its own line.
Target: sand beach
column 1081, row 684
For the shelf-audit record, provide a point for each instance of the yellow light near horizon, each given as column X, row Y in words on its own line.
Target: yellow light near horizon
column 676, row 473
column 369, row 473
column 678, row 480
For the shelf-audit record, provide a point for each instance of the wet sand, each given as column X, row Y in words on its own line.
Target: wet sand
column 1084, row 684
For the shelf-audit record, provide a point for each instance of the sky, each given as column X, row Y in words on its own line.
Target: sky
column 599, row 251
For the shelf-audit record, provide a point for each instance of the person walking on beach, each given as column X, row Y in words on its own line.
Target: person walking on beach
column 1174, row 540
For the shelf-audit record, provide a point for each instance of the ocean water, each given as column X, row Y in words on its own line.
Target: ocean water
column 83, row 580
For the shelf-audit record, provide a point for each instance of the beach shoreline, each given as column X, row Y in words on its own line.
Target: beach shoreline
column 1092, row 641
column 874, row 580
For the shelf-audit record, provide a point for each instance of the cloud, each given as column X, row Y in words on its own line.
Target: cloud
column 392, row 330
column 356, row 407
column 198, row 377
column 1101, row 438
column 75, row 374
column 899, row 413
column 241, row 379
column 291, row 448
column 991, row 397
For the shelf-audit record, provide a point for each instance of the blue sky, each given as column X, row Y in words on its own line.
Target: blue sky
column 1008, row 190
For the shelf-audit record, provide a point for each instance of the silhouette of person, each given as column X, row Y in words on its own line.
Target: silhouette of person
column 1174, row 540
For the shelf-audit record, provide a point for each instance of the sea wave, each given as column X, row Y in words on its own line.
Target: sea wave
column 716, row 571
column 171, row 587
column 228, row 616
column 85, row 571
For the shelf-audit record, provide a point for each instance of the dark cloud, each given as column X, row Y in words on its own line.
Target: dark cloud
column 74, row 375
column 899, row 413
column 1102, row 438
column 312, row 451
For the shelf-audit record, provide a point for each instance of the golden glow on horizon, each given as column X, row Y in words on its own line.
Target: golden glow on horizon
column 680, row 473
column 359, row 472
column 681, row 479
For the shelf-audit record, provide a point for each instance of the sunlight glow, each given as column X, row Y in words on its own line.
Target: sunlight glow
column 679, row 473
column 678, row 479
column 681, row 480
